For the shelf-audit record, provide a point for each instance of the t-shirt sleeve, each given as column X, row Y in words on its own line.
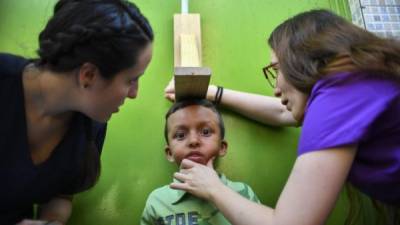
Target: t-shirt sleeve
column 148, row 216
column 11, row 65
column 248, row 193
column 341, row 113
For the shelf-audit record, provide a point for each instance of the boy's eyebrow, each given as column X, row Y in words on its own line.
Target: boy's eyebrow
column 201, row 124
column 183, row 126
column 179, row 126
column 208, row 122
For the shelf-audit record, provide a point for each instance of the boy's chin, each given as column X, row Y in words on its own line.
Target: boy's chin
column 201, row 161
column 197, row 160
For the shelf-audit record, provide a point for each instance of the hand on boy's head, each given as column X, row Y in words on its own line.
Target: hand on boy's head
column 169, row 91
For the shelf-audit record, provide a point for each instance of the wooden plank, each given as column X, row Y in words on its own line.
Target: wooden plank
column 186, row 24
column 189, row 54
column 191, row 82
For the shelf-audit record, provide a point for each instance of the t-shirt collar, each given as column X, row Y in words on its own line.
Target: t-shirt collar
column 178, row 195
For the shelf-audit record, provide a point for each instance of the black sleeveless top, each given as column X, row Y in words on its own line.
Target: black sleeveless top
column 22, row 183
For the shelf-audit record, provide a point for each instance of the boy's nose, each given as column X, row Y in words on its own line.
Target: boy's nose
column 194, row 140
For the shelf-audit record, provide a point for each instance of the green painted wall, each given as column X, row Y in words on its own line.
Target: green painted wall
column 234, row 46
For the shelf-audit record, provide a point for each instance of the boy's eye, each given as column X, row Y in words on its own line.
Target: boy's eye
column 206, row 131
column 180, row 135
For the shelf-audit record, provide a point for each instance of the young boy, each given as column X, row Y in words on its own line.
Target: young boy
column 194, row 130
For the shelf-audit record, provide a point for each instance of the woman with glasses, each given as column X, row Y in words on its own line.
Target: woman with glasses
column 342, row 85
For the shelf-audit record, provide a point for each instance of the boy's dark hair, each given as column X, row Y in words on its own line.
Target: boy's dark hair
column 109, row 34
column 189, row 102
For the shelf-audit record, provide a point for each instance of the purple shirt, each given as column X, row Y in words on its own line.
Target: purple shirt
column 358, row 109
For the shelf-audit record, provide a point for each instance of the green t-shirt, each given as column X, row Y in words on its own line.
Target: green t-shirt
column 166, row 206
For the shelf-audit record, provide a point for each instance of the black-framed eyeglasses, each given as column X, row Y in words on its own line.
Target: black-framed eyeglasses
column 271, row 73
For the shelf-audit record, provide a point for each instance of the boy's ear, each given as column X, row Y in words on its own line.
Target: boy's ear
column 223, row 149
column 87, row 75
column 168, row 154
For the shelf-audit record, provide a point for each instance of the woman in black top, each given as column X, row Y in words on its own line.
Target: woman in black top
column 55, row 108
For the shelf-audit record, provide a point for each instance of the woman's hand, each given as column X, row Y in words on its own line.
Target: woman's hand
column 197, row 179
column 169, row 91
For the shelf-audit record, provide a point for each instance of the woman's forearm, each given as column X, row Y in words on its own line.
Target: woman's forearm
column 239, row 210
column 264, row 109
column 57, row 209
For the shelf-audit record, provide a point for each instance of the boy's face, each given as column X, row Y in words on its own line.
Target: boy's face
column 193, row 133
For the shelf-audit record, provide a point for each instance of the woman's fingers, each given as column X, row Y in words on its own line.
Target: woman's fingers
column 171, row 86
column 184, row 171
column 170, row 96
column 196, row 178
column 169, row 91
column 181, row 176
column 179, row 186
column 210, row 163
column 187, row 164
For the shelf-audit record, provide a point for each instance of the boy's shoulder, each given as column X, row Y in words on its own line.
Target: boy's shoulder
column 162, row 194
column 242, row 188
column 160, row 191
column 235, row 185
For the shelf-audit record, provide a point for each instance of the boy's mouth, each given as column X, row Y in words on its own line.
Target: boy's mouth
column 195, row 157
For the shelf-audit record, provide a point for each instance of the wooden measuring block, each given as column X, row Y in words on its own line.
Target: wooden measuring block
column 191, row 79
column 189, row 51
column 187, row 34
column 191, row 82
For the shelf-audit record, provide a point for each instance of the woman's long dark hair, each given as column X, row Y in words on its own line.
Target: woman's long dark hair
column 109, row 34
column 307, row 45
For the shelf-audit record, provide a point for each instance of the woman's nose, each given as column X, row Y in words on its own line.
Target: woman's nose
column 277, row 92
column 133, row 90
